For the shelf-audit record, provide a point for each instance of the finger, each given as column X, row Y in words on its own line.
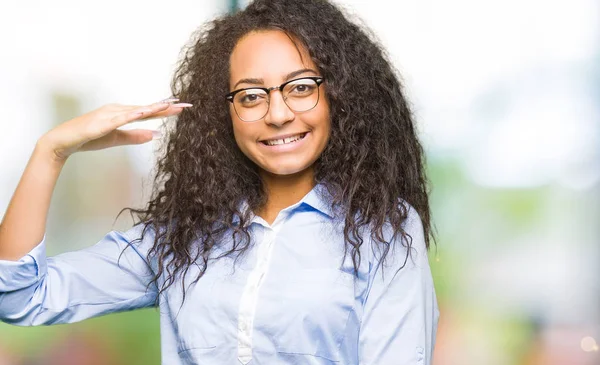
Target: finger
column 118, row 108
column 119, row 138
column 172, row 110
column 131, row 116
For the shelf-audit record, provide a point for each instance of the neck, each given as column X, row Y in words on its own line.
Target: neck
column 283, row 191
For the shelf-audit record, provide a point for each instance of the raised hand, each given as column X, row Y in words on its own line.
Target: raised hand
column 24, row 222
column 98, row 129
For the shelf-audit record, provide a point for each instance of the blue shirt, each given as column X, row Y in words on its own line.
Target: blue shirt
column 288, row 300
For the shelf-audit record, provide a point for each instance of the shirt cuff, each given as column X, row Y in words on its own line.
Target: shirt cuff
column 30, row 269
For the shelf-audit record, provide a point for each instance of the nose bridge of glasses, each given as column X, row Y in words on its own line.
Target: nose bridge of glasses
column 280, row 88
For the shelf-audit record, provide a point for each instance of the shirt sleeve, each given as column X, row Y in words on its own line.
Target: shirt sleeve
column 401, row 312
column 111, row 276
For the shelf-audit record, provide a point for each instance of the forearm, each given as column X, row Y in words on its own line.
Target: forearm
column 24, row 222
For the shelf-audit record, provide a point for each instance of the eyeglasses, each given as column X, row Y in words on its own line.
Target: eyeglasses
column 252, row 103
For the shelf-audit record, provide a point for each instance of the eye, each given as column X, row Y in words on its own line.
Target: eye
column 250, row 97
column 301, row 87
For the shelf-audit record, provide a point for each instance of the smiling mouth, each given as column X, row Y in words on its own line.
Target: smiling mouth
column 282, row 141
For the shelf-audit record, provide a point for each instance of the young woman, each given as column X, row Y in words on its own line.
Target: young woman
column 290, row 218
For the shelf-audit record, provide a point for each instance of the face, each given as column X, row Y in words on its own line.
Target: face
column 283, row 142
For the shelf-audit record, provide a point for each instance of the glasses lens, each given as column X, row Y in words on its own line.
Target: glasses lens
column 301, row 95
column 251, row 104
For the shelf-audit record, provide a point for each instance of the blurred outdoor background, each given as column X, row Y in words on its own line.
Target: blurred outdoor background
column 507, row 98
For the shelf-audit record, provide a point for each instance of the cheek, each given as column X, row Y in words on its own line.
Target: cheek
column 323, row 122
column 238, row 133
column 244, row 135
column 324, row 114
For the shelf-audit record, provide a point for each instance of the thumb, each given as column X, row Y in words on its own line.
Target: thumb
column 120, row 138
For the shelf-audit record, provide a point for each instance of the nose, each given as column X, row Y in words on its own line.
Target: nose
column 279, row 113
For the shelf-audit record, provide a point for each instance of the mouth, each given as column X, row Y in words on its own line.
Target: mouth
column 284, row 141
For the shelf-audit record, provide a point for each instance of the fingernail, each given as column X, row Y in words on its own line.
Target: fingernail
column 168, row 101
column 182, row 105
column 156, row 134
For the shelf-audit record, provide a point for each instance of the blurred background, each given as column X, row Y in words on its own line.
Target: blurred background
column 507, row 99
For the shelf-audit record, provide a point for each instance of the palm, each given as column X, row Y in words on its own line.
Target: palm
column 97, row 130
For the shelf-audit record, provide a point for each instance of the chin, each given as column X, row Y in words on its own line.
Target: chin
column 286, row 170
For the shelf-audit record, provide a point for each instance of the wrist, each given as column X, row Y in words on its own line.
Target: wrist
column 44, row 150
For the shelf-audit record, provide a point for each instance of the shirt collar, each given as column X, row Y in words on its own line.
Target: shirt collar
column 317, row 198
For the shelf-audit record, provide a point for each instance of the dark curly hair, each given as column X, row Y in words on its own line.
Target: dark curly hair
column 372, row 167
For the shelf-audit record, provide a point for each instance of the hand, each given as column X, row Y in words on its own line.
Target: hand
column 97, row 130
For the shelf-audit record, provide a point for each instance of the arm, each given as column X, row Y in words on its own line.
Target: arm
column 24, row 222
column 400, row 313
column 77, row 285
column 111, row 276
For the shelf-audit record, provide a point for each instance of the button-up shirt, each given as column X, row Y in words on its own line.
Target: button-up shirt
column 291, row 298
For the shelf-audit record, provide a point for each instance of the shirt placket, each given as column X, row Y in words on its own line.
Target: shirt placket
column 249, row 297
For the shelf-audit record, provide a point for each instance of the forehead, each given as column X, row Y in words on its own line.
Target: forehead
column 268, row 55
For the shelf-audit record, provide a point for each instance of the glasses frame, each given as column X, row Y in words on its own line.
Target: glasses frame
column 317, row 79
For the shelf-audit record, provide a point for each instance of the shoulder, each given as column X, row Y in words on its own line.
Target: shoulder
column 402, row 245
column 413, row 227
column 139, row 238
column 139, row 233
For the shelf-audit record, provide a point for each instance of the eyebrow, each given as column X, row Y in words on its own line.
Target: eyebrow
column 287, row 77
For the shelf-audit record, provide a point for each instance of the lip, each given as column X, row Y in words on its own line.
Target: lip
column 285, row 147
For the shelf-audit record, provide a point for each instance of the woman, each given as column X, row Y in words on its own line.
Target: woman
column 290, row 219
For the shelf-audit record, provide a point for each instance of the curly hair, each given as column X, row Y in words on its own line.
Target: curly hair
column 372, row 167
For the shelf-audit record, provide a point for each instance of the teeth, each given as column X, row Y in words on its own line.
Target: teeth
column 276, row 142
